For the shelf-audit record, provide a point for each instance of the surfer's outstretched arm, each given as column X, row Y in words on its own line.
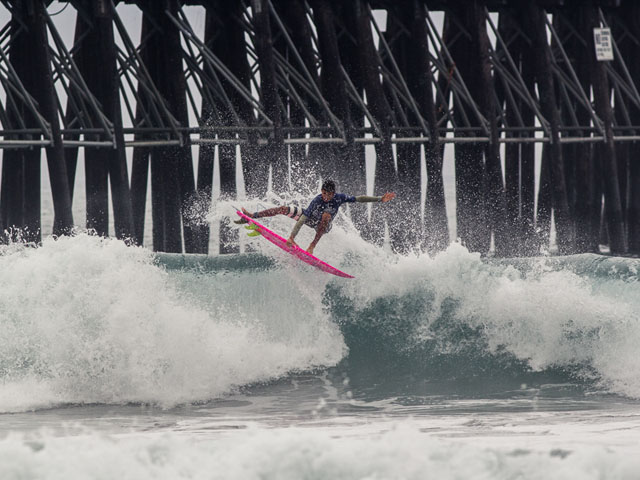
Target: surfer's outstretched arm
column 367, row 198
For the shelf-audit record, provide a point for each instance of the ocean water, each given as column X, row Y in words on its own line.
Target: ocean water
column 115, row 364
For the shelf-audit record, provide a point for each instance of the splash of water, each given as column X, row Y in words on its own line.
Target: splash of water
column 85, row 320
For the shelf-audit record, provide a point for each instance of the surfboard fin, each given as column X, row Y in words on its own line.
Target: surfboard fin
column 253, row 230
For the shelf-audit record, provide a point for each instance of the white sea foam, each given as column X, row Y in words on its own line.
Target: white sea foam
column 547, row 318
column 86, row 320
column 401, row 452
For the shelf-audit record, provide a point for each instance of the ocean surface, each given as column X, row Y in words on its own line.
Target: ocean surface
column 116, row 363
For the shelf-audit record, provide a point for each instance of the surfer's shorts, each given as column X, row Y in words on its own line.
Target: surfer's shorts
column 295, row 212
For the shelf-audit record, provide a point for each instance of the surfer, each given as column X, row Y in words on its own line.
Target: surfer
column 320, row 212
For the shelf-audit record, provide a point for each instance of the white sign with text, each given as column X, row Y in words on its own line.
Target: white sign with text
column 603, row 43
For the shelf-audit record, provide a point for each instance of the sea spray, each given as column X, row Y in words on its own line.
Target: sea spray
column 91, row 320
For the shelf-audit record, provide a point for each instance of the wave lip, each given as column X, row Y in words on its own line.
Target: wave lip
column 583, row 264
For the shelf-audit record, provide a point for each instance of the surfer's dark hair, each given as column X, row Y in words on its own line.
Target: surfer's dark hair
column 329, row 186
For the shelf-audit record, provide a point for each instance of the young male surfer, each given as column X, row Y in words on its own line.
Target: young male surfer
column 320, row 212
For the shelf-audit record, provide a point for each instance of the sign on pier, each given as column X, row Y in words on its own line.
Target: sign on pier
column 604, row 46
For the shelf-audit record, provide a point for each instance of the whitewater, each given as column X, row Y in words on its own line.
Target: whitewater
column 118, row 363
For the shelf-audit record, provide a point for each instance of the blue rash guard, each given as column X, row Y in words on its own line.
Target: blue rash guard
column 318, row 206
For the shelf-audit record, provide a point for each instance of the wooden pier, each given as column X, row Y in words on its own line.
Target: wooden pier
column 299, row 88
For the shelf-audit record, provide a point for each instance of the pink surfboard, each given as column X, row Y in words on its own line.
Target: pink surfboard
column 294, row 249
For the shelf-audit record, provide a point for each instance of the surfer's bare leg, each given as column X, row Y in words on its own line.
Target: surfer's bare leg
column 270, row 212
column 322, row 228
column 296, row 228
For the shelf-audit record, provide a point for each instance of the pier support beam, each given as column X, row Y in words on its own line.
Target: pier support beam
column 626, row 20
column 274, row 154
column 484, row 95
column 345, row 164
column 302, row 59
column 606, row 151
column 172, row 175
column 519, row 157
column 584, row 193
column 407, row 28
column 534, row 22
column 29, row 54
column 96, row 60
column 435, row 227
column 224, row 37
column 472, row 176
column 386, row 177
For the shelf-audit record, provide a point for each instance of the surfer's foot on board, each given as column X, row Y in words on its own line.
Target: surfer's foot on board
column 243, row 220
